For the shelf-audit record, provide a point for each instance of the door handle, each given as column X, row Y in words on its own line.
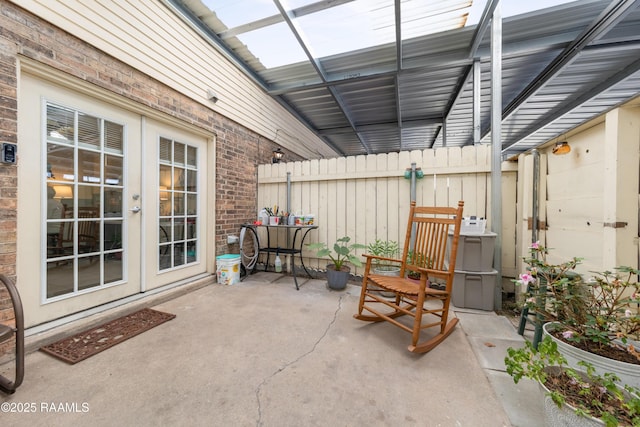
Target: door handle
column 135, row 209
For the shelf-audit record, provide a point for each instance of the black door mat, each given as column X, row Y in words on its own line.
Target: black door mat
column 93, row 341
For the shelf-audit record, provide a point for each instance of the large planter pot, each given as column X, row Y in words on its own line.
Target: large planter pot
column 387, row 270
column 565, row 415
column 337, row 280
column 629, row 373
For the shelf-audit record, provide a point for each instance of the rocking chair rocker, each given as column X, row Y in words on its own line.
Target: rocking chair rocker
column 429, row 230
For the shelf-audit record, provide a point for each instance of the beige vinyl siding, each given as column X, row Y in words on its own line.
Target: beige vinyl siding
column 151, row 38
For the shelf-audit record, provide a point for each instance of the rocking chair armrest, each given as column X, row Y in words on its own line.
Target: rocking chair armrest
column 382, row 258
column 432, row 273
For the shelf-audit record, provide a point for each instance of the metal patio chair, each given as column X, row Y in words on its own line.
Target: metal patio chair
column 17, row 333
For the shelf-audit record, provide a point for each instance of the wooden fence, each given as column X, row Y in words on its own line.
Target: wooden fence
column 368, row 197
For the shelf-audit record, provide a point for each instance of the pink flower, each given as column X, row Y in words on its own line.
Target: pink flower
column 526, row 278
column 567, row 334
column 627, row 313
column 535, row 245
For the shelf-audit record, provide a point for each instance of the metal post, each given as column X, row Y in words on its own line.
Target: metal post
column 289, row 261
column 413, row 182
column 289, row 192
column 496, row 161
column 536, row 178
column 413, row 199
column 477, row 81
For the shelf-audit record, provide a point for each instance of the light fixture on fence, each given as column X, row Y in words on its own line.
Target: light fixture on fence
column 277, row 155
column 561, row 147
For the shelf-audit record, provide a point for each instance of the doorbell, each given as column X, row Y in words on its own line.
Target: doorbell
column 8, row 153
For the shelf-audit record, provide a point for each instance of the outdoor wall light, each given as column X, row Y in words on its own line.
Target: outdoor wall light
column 561, row 147
column 277, row 155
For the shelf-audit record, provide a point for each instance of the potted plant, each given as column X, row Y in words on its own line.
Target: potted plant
column 595, row 320
column 343, row 253
column 419, row 259
column 387, row 264
column 573, row 397
column 389, row 250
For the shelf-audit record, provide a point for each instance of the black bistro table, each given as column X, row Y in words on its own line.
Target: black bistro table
column 293, row 248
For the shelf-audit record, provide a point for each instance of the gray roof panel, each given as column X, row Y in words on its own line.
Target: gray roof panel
column 561, row 66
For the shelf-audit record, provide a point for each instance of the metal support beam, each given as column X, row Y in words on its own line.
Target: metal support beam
column 496, row 147
column 298, row 34
column 398, row 11
column 477, row 80
column 614, row 13
column 482, row 26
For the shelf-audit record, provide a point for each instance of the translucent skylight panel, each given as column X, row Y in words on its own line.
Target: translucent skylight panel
column 511, row 8
column 239, row 12
column 354, row 25
column 294, row 4
column 274, row 45
column 350, row 26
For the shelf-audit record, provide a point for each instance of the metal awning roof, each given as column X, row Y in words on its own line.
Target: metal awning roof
column 400, row 87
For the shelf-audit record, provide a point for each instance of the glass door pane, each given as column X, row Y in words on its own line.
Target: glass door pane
column 177, row 191
column 84, row 180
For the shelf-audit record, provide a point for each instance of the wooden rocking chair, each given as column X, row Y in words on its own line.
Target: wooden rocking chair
column 429, row 231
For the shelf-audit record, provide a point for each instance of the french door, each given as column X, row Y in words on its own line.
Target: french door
column 118, row 198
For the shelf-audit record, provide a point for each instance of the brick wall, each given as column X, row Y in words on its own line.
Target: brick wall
column 8, row 179
column 239, row 150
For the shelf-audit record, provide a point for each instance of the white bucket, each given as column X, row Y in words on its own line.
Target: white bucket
column 228, row 269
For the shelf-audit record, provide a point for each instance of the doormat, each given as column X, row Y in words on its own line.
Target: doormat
column 85, row 344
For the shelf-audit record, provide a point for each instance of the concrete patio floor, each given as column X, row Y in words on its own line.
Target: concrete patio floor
column 260, row 353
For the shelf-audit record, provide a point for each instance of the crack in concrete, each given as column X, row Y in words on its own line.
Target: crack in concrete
column 302, row 356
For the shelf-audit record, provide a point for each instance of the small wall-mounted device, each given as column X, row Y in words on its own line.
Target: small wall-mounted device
column 212, row 96
column 9, row 152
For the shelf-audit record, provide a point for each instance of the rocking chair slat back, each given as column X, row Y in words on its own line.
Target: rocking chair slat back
column 427, row 237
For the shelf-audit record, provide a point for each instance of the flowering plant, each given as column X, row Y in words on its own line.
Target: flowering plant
column 588, row 393
column 596, row 314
